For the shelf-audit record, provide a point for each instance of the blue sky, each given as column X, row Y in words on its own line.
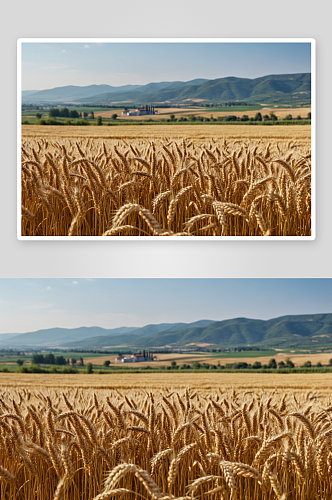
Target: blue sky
column 49, row 65
column 32, row 304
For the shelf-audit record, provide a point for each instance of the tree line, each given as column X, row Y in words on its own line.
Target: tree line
column 244, row 118
column 50, row 359
column 67, row 113
column 241, row 365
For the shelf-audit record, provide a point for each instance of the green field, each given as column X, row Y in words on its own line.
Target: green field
column 127, row 122
column 208, row 361
column 29, row 116
column 79, row 109
column 12, row 358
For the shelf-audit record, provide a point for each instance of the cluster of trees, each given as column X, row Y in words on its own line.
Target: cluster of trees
column 66, row 113
column 244, row 118
column 225, row 104
column 241, row 365
column 50, row 359
column 237, row 349
column 290, row 117
column 150, row 109
column 308, row 364
column 233, row 118
column 39, row 369
column 272, row 364
column 10, row 352
column 72, row 113
column 54, row 121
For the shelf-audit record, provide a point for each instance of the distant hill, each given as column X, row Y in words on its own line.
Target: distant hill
column 26, row 93
column 135, row 337
column 309, row 330
column 73, row 93
column 86, row 337
column 81, row 95
column 103, row 342
column 4, row 336
column 286, row 331
column 105, row 339
column 154, row 329
column 271, row 88
column 54, row 337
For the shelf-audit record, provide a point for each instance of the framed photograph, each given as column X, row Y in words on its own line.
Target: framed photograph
column 183, row 138
column 91, row 369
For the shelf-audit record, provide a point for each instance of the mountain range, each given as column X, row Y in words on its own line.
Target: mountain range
column 270, row 88
column 285, row 331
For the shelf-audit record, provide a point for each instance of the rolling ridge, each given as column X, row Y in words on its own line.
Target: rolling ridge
column 275, row 88
column 292, row 330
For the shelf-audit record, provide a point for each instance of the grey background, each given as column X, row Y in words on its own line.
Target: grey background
column 159, row 18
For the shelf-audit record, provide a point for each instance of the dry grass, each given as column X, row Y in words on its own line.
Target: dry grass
column 165, row 443
column 167, row 187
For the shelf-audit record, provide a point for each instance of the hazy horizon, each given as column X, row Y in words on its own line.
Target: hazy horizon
column 47, row 65
column 69, row 85
column 36, row 304
column 161, row 322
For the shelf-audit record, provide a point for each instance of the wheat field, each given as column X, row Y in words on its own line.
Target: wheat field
column 102, row 186
column 85, row 444
column 300, row 133
column 205, row 382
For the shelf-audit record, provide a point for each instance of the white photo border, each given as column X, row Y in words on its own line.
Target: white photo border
column 312, row 41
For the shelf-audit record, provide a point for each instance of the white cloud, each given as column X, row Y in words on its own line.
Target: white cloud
column 63, row 50
column 74, row 282
column 86, row 46
column 48, row 288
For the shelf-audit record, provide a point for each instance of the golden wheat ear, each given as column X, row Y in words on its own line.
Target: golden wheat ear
column 240, row 187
